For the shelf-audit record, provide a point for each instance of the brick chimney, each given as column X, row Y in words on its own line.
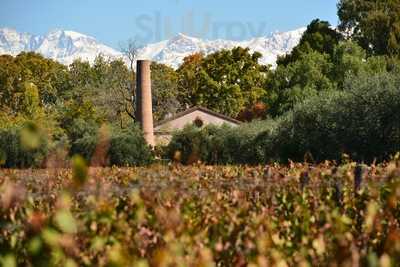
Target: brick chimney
column 144, row 106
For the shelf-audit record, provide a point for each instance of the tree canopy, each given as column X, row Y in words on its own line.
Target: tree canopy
column 319, row 37
column 226, row 81
column 164, row 85
column 375, row 25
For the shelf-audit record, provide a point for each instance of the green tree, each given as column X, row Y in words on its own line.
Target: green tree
column 188, row 80
column 226, row 81
column 351, row 60
column 375, row 25
column 291, row 84
column 50, row 77
column 111, row 89
column 319, row 37
column 219, row 96
column 81, row 74
column 31, row 101
column 11, row 85
column 348, row 59
column 164, row 84
column 106, row 85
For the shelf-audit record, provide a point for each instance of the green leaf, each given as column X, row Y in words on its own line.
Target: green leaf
column 8, row 261
column 66, row 222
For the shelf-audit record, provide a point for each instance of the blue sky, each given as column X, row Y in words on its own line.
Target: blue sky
column 115, row 21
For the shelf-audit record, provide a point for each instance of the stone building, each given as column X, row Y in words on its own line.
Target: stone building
column 199, row 116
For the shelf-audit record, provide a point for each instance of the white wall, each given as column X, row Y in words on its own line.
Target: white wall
column 163, row 131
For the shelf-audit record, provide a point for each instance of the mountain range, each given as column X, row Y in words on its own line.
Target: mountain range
column 66, row 46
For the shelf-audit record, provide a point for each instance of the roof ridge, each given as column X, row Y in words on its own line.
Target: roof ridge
column 194, row 108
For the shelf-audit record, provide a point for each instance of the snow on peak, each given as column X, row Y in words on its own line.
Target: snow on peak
column 173, row 51
column 184, row 36
column 65, row 46
column 61, row 45
column 77, row 35
column 8, row 31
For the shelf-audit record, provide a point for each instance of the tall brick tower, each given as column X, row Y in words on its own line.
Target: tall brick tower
column 144, row 107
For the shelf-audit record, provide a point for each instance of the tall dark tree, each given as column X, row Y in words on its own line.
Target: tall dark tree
column 188, row 82
column 375, row 25
column 319, row 37
column 164, row 85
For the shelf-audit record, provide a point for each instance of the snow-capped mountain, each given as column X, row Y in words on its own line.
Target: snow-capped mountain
column 63, row 46
column 172, row 52
column 66, row 46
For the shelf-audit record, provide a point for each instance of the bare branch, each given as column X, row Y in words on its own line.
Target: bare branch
column 130, row 49
column 129, row 114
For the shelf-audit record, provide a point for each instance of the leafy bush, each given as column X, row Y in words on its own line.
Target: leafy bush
column 362, row 121
column 121, row 147
column 128, row 147
column 22, row 145
column 238, row 143
column 216, row 145
column 83, row 136
column 191, row 144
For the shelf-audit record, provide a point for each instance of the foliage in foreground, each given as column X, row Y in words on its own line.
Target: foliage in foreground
column 296, row 215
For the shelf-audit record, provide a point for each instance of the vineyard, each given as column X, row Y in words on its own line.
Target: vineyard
column 171, row 215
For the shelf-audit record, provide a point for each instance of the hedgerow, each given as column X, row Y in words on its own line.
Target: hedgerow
column 362, row 121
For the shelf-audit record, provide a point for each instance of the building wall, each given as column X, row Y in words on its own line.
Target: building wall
column 163, row 132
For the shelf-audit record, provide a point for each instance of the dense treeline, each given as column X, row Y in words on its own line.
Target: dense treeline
column 50, row 111
column 325, row 98
column 362, row 121
column 337, row 93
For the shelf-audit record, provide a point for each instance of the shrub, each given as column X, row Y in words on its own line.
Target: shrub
column 216, row 145
column 191, row 143
column 309, row 129
column 22, row 145
column 122, row 147
column 362, row 121
column 84, row 146
column 128, row 147
column 239, row 145
column 83, row 138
